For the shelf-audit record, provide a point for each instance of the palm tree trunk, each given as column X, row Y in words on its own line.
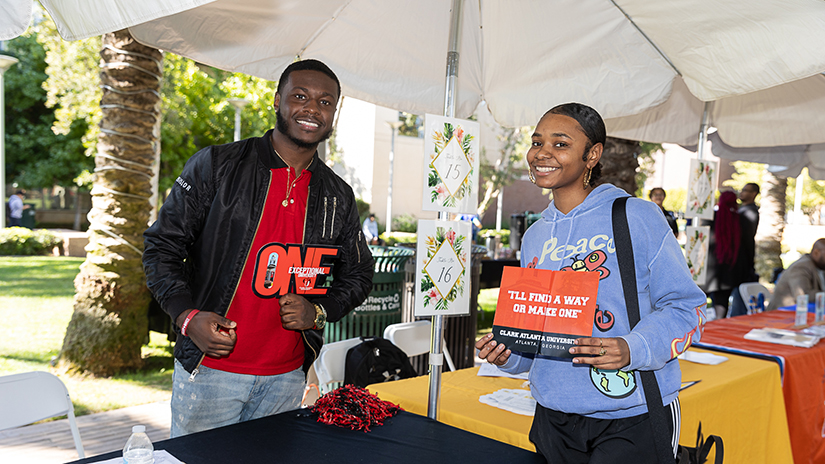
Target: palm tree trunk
column 109, row 323
column 620, row 163
column 771, row 225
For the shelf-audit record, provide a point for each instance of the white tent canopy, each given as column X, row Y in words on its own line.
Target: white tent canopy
column 787, row 160
column 789, row 114
column 523, row 57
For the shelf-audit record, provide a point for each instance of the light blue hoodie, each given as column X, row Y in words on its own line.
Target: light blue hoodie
column 670, row 304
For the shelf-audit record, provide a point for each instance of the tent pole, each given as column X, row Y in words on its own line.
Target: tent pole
column 437, row 336
column 703, row 131
column 700, row 154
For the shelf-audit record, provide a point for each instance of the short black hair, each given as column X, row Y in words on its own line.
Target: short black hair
column 755, row 186
column 308, row 65
column 591, row 124
column 650, row 194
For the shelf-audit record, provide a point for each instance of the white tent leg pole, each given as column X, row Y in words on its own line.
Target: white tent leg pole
column 703, row 131
column 437, row 336
column 700, row 154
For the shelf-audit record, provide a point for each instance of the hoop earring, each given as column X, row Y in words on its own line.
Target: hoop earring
column 530, row 175
column 587, row 178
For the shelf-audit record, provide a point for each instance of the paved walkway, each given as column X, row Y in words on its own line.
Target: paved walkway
column 51, row 442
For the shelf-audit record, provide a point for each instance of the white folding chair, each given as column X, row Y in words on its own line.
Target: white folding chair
column 756, row 296
column 34, row 396
column 329, row 367
column 414, row 338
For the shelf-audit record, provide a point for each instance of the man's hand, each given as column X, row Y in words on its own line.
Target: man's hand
column 212, row 333
column 297, row 313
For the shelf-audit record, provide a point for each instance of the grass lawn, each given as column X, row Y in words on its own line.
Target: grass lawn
column 36, row 303
column 487, row 299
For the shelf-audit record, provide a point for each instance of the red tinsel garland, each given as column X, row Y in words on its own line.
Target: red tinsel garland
column 353, row 407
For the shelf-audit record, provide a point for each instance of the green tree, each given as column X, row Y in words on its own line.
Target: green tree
column 196, row 112
column 36, row 155
column 745, row 172
column 646, row 167
column 73, row 86
column 813, row 196
column 771, row 224
column 496, row 175
column 109, row 323
column 620, row 161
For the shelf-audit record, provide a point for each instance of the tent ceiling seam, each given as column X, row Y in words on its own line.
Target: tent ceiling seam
column 322, row 29
column 661, row 53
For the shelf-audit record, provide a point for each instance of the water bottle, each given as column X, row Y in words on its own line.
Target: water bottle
column 138, row 449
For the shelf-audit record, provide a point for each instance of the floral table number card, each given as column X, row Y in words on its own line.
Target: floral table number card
column 451, row 154
column 442, row 268
column 701, row 188
column 696, row 252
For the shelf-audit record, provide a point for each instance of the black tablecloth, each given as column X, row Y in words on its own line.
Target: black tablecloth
column 296, row 436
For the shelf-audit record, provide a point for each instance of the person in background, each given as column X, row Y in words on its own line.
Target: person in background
column 805, row 276
column 370, row 229
column 744, row 270
column 657, row 195
column 579, row 419
column 723, row 251
column 475, row 224
column 241, row 355
column 16, row 208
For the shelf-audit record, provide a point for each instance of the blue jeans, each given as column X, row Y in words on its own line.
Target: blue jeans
column 217, row 398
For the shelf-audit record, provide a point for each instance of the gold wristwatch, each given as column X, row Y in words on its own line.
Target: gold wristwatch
column 320, row 317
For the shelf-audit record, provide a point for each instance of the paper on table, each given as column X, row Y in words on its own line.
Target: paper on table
column 782, row 337
column 491, row 370
column 702, row 358
column 161, row 457
column 815, row 330
column 517, row 401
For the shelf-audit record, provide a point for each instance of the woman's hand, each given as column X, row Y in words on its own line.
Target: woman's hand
column 607, row 353
column 494, row 353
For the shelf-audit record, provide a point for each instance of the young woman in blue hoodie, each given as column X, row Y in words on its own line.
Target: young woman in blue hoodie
column 593, row 409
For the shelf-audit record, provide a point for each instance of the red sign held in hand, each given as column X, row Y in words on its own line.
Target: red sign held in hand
column 541, row 311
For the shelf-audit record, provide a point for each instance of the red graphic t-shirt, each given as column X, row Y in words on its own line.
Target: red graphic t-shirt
column 263, row 346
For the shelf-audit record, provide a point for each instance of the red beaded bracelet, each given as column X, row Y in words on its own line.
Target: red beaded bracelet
column 187, row 321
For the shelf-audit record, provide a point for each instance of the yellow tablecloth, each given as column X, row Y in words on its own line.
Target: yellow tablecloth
column 739, row 400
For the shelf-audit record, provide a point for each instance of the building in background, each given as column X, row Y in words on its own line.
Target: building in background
column 364, row 139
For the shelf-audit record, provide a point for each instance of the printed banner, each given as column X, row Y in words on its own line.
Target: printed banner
column 544, row 312
column 380, row 302
column 442, row 277
column 451, row 154
column 292, row 268
column 701, row 189
column 696, row 252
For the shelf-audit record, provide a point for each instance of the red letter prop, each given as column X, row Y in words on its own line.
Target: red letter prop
column 541, row 311
column 292, row 268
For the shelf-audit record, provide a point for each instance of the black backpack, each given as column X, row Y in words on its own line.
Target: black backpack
column 376, row 360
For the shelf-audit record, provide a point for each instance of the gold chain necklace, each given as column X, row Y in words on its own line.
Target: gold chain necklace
column 289, row 186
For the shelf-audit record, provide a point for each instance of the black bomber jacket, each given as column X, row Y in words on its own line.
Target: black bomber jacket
column 195, row 252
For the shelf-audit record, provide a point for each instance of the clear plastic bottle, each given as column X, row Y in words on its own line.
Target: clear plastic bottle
column 138, row 449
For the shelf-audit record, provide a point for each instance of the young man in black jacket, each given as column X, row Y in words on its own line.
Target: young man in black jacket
column 208, row 262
